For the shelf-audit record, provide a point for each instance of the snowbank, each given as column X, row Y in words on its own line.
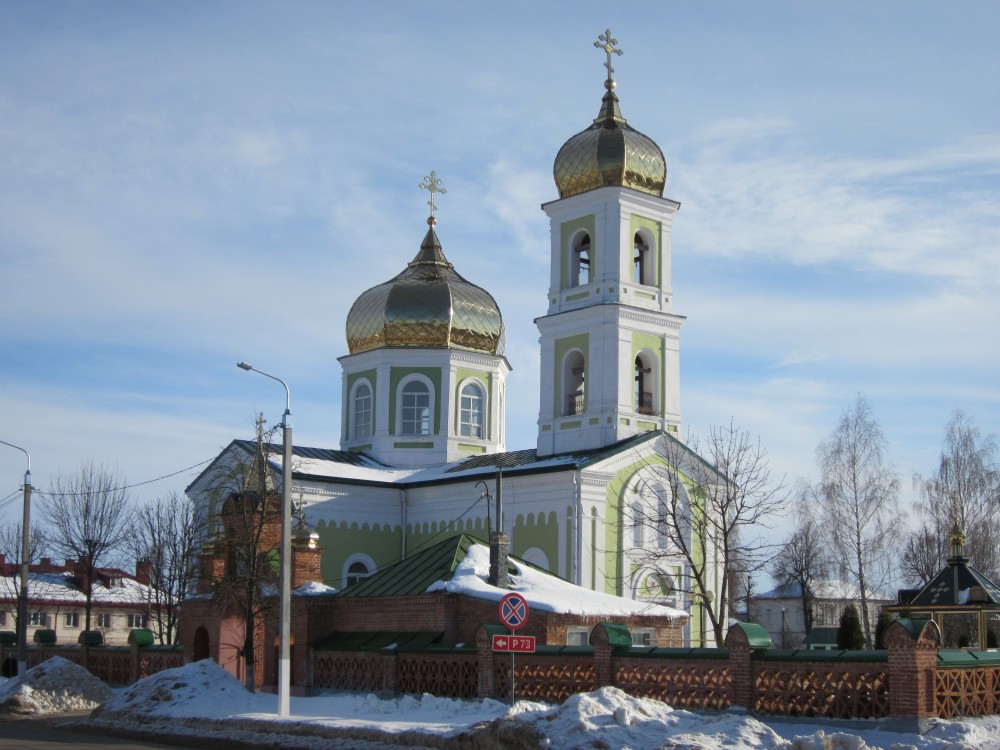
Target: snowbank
column 54, row 686
column 202, row 700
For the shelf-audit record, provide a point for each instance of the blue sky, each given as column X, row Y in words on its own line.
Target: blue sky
column 185, row 185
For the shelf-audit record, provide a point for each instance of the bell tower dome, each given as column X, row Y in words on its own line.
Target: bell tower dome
column 424, row 381
column 610, row 340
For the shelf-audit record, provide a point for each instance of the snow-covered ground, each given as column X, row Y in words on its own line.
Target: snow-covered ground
column 202, row 699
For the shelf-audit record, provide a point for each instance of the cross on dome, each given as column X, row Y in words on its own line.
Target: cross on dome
column 433, row 184
column 607, row 43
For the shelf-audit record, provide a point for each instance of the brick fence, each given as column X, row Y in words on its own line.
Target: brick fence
column 115, row 665
column 912, row 678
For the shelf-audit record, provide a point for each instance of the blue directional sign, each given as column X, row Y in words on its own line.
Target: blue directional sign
column 513, row 611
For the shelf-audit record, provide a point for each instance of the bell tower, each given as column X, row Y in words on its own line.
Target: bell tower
column 610, row 366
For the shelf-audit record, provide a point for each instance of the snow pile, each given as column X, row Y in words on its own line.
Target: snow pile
column 610, row 718
column 54, row 686
column 202, row 700
column 199, row 689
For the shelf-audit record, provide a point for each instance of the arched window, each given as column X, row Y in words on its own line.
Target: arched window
column 581, row 262
column 641, row 271
column 416, row 409
column 356, row 571
column 357, row 567
column 638, row 523
column 537, row 557
column 573, row 386
column 643, row 391
column 362, row 413
column 471, row 411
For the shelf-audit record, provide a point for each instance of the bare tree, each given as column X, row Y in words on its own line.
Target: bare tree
column 965, row 488
column 248, row 536
column 720, row 500
column 89, row 513
column 164, row 539
column 11, row 540
column 858, row 497
column 802, row 562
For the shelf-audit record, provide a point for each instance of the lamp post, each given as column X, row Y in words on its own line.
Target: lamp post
column 22, row 597
column 285, row 609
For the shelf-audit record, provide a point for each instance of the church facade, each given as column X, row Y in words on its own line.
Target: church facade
column 423, row 447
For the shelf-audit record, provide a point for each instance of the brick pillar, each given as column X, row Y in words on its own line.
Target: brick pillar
column 134, row 653
column 603, row 667
column 307, row 557
column 390, row 671
column 740, row 668
column 912, row 646
column 487, row 679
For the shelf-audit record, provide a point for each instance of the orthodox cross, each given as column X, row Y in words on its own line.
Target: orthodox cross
column 433, row 184
column 938, row 591
column 607, row 43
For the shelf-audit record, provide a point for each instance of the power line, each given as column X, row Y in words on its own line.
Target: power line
column 127, row 486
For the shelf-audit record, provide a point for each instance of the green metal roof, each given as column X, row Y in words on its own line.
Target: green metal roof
column 413, row 575
column 946, row 589
column 378, row 641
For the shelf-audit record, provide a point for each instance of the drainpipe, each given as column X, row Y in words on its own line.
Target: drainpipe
column 402, row 542
column 576, row 573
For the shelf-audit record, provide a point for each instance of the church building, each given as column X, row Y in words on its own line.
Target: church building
column 423, row 450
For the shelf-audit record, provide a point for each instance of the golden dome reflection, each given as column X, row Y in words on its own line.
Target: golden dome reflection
column 429, row 305
column 610, row 153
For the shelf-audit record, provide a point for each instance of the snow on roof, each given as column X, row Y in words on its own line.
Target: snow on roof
column 542, row 591
column 322, row 464
column 313, row 588
column 59, row 587
column 824, row 589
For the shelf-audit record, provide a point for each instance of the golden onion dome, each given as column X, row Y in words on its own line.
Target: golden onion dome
column 610, row 153
column 428, row 305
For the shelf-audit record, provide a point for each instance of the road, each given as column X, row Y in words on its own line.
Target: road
column 33, row 734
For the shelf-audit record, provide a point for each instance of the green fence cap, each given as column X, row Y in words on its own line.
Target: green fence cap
column 91, row 638
column 140, row 637
column 45, row 637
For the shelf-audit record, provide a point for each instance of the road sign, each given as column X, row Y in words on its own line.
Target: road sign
column 523, row 644
column 513, row 611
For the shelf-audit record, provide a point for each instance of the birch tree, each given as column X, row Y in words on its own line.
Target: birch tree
column 858, row 499
column 802, row 562
column 964, row 488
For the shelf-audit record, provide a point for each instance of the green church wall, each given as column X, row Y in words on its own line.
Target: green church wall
column 657, row 345
column 563, row 346
column 340, row 541
column 371, row 377
column 616, row 523
column 541, row 531
column 396, row 376
column 486, row 380
column 654, row 228
column 570, row 228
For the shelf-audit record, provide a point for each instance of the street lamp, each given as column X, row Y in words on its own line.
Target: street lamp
column 22, row 597
column 285, row 609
